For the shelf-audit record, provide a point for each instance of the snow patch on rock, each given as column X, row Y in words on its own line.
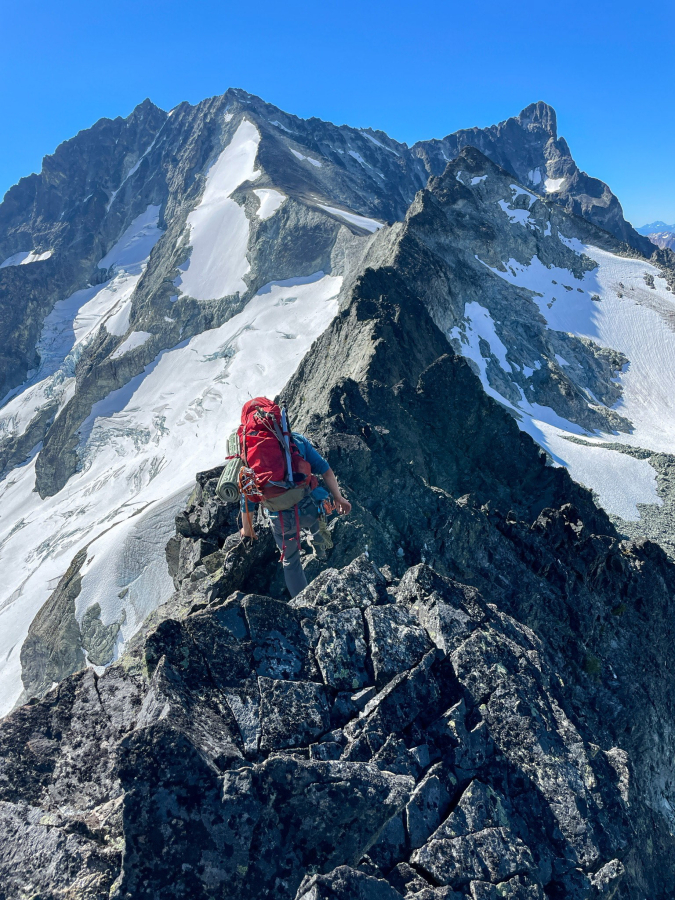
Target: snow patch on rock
column 270, row 201
column 218, row 225
column 309, row 159
column 135, row 339
column 517, row 216
column 478, row 325
column 25, row 257
column 371, row 225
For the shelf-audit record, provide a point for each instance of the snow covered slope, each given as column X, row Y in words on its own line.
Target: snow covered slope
column 564, row 328
column 613, row 306
column 140, row 448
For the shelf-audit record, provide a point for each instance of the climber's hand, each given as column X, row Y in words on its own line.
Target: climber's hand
column 342, row 505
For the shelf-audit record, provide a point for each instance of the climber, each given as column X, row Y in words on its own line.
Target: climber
column 280, row 472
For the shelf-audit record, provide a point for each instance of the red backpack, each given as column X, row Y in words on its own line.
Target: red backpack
column 267, row 448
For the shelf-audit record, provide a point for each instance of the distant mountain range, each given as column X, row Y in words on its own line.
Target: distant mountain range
column 660, row 234
column 654, row 227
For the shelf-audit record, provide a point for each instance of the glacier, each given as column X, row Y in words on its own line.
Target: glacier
column 626, row 315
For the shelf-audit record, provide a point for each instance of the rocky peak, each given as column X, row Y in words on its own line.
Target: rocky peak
column 539, row 115
column 529, row 148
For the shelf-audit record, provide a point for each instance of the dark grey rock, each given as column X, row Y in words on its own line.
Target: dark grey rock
column 406, row 880
column 361, row 698
column 345, row 883
column 429, row 805
column 493, row 854
column 359, row 585
column 39, row 851
column 341, row 649
column 98, row 640
column 402, row 700
column 608, row 879
column 391, row 845
column 280, row 648
column 394, row 756
column 529, row 148
column 320, row 813
column 516, row 888
column 325, row 750
column 397, row 642
column 53, row 647
column 447, row 612
column 292, row 713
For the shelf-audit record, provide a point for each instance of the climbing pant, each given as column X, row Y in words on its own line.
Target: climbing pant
column 309, row 520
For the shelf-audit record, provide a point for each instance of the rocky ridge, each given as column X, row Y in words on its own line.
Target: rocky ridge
column 385, row 740
column 486, row 713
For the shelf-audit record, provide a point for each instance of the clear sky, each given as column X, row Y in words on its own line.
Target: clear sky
column 414, row 68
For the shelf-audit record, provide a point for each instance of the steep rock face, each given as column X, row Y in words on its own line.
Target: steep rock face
column 62, row 214
column 528, row 146
column 436, row 470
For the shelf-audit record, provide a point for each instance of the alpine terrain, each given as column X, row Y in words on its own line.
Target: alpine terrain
column 472, row 699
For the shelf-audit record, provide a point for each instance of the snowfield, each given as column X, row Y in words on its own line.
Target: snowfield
column 25, row 257
column 141, row 448
column 218, row 226
column 626, row 315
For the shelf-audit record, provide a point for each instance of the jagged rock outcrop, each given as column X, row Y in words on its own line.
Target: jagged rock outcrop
column 528, row 146
column 226, row 756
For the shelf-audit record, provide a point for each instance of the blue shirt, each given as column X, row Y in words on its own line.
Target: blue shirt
column 317, row 462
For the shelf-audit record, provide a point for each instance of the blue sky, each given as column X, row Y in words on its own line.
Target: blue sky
column 415, row 69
